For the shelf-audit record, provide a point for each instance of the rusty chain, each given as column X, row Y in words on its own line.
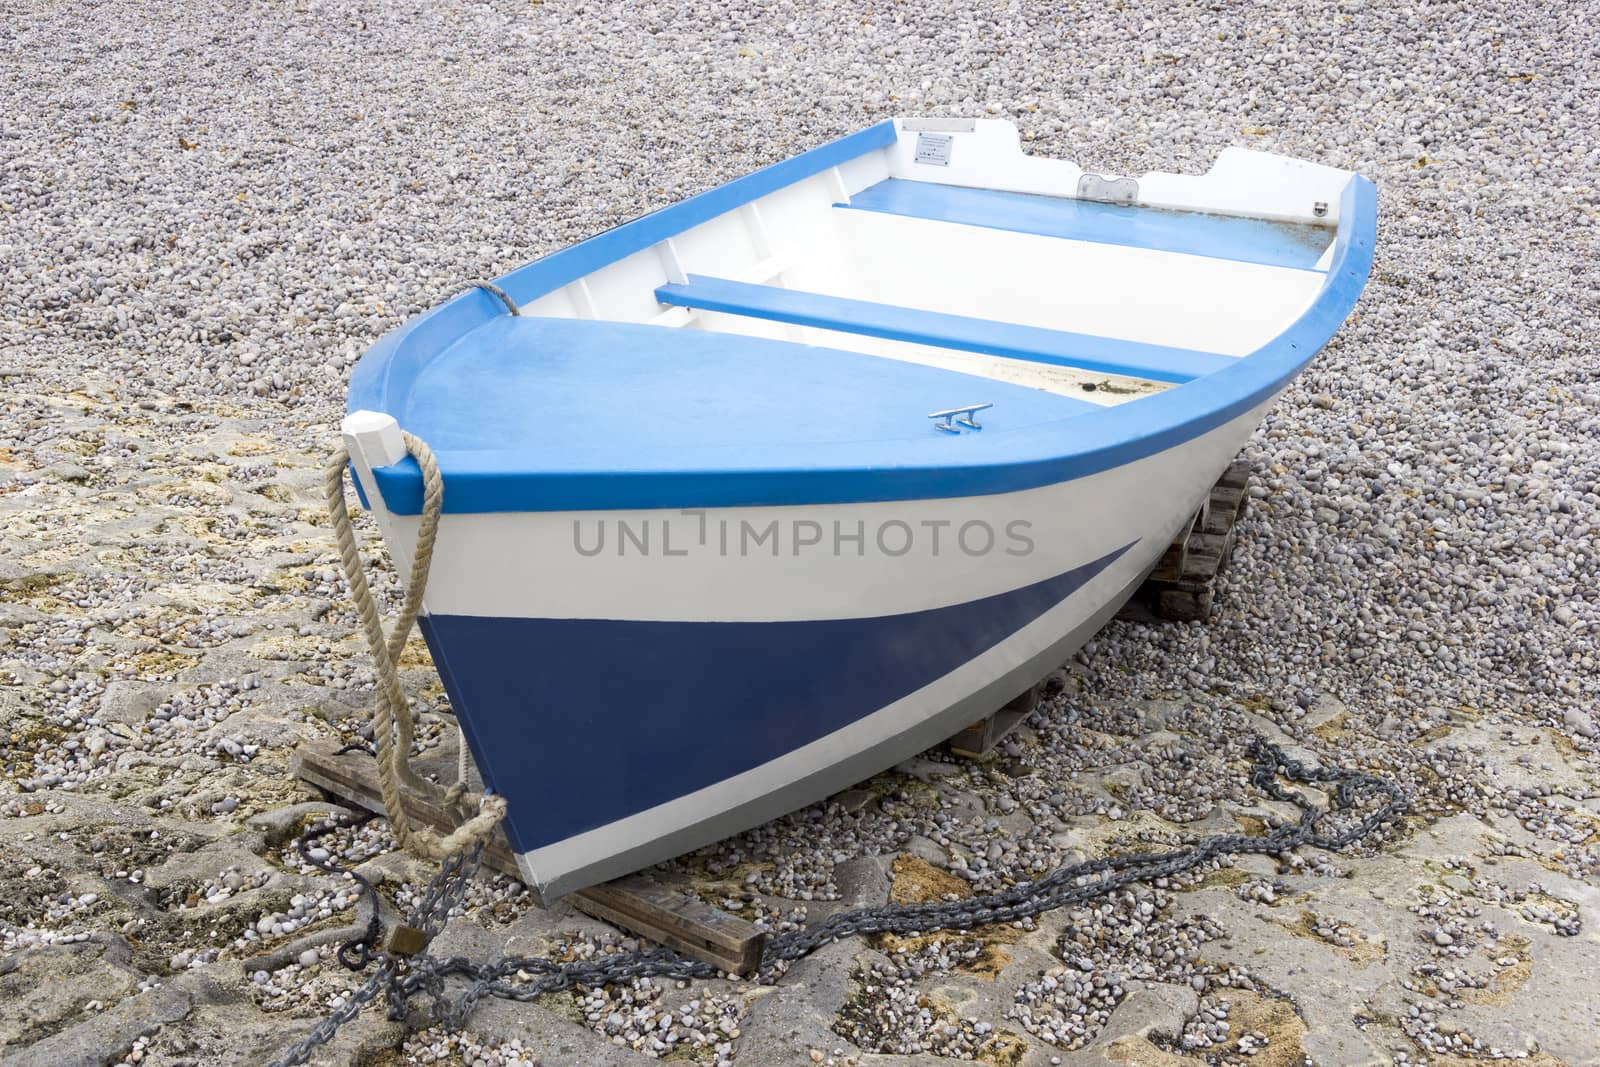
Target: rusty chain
column 401, row 977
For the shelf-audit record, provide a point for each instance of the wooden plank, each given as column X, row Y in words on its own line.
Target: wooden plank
column 1227, row 549
column 1203, row 566
column 1184, row 605
column 1205, row 557
column 353, row 776
column 1169, row 568
column 1236, row 475
column 675, row 918
column 633, row 903
column 1182, row 536
column 1227, row 504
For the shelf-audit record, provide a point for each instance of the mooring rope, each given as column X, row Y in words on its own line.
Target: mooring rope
column 493, row 290
column 391, row 719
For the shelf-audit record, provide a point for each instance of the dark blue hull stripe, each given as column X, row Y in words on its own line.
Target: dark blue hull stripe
column 581, row 722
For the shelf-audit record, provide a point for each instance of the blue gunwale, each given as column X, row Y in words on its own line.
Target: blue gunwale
column 987, row 463
column 1103, row 355
column 387, row 368
column 546, row 275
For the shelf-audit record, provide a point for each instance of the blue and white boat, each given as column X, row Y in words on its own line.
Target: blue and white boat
column 752, row 497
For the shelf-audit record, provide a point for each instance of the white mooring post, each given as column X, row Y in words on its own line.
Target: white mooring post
column 373, row 440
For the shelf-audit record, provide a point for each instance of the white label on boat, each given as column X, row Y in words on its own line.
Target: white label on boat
column 934, row 149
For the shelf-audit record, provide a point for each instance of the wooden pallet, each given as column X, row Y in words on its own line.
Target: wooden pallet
column 636, row 903
column 1179, row 588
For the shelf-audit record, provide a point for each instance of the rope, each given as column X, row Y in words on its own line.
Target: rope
column 494, row 290
column 391, row 720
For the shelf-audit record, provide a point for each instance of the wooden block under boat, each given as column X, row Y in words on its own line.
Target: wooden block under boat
column 676, row 918
column 1204, row 559
column 635, row 903
column 1179, row 587
column 1169, row 568
column 1184, row 605
column 1236, row 475
column 1229, row 499
column 1227, row 507
column 979, row 739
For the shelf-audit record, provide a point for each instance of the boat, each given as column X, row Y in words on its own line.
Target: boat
column 764, row 492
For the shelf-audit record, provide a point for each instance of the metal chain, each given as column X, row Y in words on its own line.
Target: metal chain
column 526, row 978
column 397, row 975
column 357, row 952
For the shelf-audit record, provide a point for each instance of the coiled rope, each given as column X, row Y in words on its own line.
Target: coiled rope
column 391, row 719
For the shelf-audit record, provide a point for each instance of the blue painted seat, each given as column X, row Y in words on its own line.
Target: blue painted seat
column 1273, row 244
column 1102, row 355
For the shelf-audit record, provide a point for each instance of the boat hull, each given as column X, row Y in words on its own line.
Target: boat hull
column 680, row 687
column 702, row 556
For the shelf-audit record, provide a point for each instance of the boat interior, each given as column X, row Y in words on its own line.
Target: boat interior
column 990, row 282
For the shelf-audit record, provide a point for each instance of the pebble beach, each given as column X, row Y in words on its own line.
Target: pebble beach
column 207, row 212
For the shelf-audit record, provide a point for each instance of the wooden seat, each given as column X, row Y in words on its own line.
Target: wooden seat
column 1104, row 355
